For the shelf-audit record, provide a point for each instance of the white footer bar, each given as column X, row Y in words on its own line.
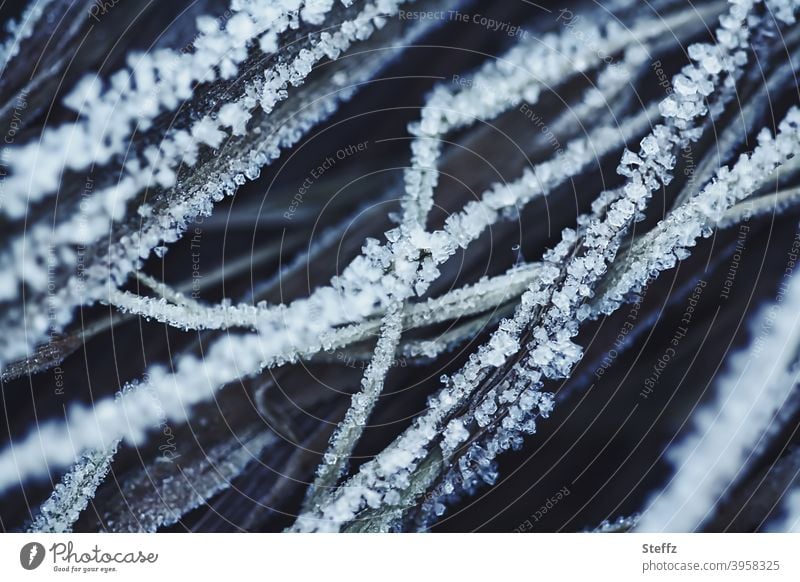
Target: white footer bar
column 405, row 557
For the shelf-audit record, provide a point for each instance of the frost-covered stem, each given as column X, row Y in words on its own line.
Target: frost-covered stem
column 426, row 348
column 188, row 315
column 726, row 431
column 168, row 293
column 774, row 204
column 352, row 426
column 468, row 300
column 73, row 494
column 20, row 30
column 448, row 340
